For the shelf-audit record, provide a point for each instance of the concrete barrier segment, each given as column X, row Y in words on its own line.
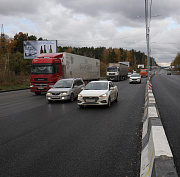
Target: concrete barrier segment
column 147, row 158
column 161, row 144
column 145, row 127
column 156, row 155
column 152, row 100
column 164, row 168
column 152, row 112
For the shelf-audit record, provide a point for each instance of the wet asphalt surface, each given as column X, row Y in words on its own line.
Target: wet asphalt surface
column 166, row 89
column 59, row 139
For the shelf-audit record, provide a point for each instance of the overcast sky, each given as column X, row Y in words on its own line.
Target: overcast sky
column 105, row 23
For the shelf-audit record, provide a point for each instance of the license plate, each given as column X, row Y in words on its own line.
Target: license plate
column 55, row 97
column 40, row 88
column 90, row 100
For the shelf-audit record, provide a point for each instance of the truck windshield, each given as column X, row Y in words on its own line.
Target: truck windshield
column 42, row 69
column 111, row 69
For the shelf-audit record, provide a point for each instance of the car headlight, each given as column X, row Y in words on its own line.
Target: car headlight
column 31, row 86
column 48, row 94
column 104, row 95
column 79, row 95
column 64, row 93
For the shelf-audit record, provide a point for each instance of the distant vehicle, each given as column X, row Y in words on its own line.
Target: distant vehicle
column 117, row 71
column 129, row 75
column 98, row 93
column 135, row 78
column 143, row 72
column 65, row 89
column 169, row 73
column 48, row 68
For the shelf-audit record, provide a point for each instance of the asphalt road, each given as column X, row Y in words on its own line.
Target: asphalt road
column 166, row 89
column 59, row 139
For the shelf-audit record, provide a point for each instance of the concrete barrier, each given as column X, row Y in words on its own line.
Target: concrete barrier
column 156, row 156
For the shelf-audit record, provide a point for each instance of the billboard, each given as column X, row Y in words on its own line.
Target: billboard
column 33, row 48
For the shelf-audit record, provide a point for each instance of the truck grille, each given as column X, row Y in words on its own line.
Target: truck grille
column 40, row 85
column 40, row 79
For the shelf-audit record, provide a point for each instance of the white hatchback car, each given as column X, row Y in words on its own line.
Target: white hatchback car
column 98, row 93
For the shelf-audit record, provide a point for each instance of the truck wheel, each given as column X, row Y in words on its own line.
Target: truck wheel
column 72, row 97
column 116, row 98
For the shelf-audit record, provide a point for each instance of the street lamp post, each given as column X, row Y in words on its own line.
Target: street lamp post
column 147, row 37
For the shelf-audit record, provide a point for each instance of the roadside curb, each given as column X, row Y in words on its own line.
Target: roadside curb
column 156, row 156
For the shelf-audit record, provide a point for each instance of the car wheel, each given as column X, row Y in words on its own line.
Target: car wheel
column 109, row 102
column 116, row 98
column 72, row 97
column 81, row 106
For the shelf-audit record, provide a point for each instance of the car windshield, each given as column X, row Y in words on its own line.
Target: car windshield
column 96, row 86
column 111, row 69
column 63, row 84
column 135, row 75
column 42, row 69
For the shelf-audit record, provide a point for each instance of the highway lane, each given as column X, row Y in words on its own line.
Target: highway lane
column 166, row 89
column 59, row 139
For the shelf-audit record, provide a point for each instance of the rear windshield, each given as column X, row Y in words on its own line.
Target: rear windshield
column 135, row 75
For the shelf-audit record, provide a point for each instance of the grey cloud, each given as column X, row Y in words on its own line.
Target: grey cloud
column 18, row 7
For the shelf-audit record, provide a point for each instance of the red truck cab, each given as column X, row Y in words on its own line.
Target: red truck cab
column 143, row 72
column 46, row 70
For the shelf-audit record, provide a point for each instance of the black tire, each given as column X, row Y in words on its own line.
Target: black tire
column 81, row 106
column 72, row 97
column 116, row 98
column 109, row 102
